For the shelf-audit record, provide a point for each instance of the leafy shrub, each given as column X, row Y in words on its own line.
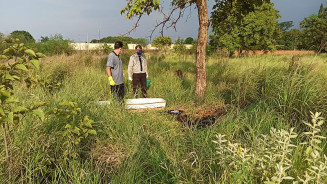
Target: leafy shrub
column 76, row 130
column 23, row 59
column 55, row 45
column 271, row 159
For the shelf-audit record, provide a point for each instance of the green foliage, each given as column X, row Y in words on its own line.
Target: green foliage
column 162, row 42
column 285, row 26
column 76, row 130
column 189, row 40
column 260, row 29
column 107, row 48
column 315, row 31
column 179, row 47
column 140, row 7
column 11, row 108
column 246, row 26
column 55, row 45
column 291, row 40
column 270, row 158
column 23, row 36
column 125, row 39
column 2, row 45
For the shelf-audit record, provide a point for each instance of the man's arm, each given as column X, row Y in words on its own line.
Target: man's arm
column 130, row 67
column 108, row 71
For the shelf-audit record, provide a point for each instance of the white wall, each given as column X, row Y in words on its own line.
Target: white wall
column 94, row 46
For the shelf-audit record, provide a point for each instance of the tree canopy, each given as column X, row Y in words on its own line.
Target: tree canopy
column 285, row 26
column 125, row 39
column 315, row 30
column 23, row 36
column 238, row 25
column 162, row 42
column 189, row 40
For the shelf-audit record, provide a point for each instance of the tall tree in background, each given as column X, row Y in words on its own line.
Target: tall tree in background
column 321, row 9
column 244, row 25
column 23, row 36
column 285, row 26
column 315, row 30
column 260, row 30
column 140, row 7
column 189, row 40
column 162, row 42
column 291, row 40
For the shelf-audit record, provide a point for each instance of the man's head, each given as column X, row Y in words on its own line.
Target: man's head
column 138, row 49
column 118, row 47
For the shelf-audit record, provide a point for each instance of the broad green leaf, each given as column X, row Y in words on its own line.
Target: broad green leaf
column 39, row 113
column 30, row 52
column 3, row 57
column 35, row 64
column 9, row 77
column 21, row 67
column 40, row 55
column 5, row 93
column 6, row 50
column 88, row 124
column 93, row 132
column 76, row 131
column 16, row 77
column 10, row 117
column 11, row 100
column 2, row 113
column 68, row 126
column 19, row 109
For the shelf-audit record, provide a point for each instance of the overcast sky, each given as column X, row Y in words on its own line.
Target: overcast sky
column 80, row 20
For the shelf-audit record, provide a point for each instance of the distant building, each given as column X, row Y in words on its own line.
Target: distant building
column 95, row 46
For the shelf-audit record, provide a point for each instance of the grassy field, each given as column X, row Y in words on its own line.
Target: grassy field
column 253, row 94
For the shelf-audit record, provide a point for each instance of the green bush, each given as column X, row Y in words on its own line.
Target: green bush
column 55, row 45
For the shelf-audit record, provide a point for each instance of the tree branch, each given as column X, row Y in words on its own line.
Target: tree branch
column 135, row 26
column 167, row 18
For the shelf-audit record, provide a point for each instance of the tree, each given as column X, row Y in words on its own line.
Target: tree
column 2, row 46
column 246, row 26
column 162, row 42
column 141, row 7
column 227, row 21
column 54, row 45
column 291, row 40
column 189, row 40
column 284, row 26
column 321, row 9
column 315, row 31
column 179, row 47
column 23, row 36
column 260, row 29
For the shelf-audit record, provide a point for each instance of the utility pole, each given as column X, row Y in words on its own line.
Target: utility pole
column 99, row 36
column 87, row 40
column 79, row 41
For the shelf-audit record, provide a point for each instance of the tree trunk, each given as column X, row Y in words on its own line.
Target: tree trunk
column 201, row 76
column 322, row 46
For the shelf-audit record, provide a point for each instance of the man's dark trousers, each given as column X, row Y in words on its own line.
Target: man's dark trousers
column 118, row 91
column 139, row 78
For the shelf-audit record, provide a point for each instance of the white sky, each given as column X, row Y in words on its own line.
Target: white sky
column 75, row 19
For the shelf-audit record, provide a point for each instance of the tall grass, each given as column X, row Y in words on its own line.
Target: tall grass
column 258, row 92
